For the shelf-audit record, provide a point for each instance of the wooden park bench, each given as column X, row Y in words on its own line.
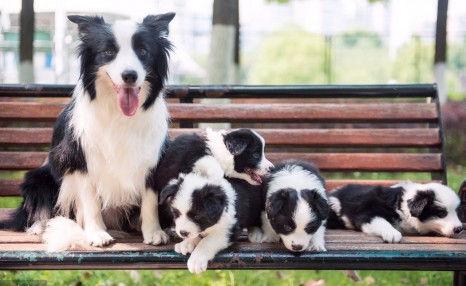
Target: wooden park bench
column 354, row 134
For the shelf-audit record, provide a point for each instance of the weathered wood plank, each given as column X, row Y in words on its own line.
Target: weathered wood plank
column 392, row 162
column 409, row 137
column 319, row 112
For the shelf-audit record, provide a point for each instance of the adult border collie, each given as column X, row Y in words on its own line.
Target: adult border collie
column 109, row 138
column 389, row 212
column 296, row 207
column 210, row 214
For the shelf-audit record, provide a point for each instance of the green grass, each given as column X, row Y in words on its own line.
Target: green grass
column 229, row 277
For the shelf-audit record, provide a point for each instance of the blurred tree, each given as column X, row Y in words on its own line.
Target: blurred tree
column 26, row 39
column 224, row 48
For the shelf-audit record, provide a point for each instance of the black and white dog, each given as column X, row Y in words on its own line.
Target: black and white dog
column 296, row 208
column 389, row 212
column 108, row 140
column 215, row 154
column 209, row 214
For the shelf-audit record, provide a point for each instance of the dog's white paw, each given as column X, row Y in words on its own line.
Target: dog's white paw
column 36, row 229
column 317, row 247
column 255, row 234
column 197, row 263
column 270, row 238
column 156, row 237
column 392, row 236
column 99, row 238
column 187, row 245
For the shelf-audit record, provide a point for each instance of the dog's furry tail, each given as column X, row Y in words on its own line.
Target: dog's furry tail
column 63, row 234
column 40, row 191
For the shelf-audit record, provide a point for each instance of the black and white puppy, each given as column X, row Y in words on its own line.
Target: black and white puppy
column 296, row 207
column 389, row 212
column 215, row 154
column 210, row 214
column 109, row 138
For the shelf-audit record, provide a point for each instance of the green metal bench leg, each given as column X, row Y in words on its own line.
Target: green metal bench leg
column 459, row 278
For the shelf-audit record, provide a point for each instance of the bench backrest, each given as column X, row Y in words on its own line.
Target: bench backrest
column 352, row 133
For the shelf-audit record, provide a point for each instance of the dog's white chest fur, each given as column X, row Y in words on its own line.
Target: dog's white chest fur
column 119, row 150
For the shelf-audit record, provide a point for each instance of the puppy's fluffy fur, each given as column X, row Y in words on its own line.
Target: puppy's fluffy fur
column 389, row 212
column 108, row 140
column 209, row 214
column 296, row 207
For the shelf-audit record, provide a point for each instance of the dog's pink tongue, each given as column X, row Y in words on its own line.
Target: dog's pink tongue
column 128, row 100
column 254, row 176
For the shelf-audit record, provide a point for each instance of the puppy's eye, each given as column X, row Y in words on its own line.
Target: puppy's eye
column 288, row 228
column 256, row 155
column 197, row 217
column 110, row 52
column 442, row 214
column 141, row 51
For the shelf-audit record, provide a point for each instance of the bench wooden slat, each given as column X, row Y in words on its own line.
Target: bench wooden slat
column 396, row 162
column 386, row 137
column 318, row 112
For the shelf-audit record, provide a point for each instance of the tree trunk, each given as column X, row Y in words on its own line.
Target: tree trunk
column 224, row 47
column 26, row 39
column 440, row 56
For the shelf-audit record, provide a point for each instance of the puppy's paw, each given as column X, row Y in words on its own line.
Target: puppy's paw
column 391, row 236
column 270, row 238
column 99, row 238
column 255, row 234
column 197, row 263
column 156, row 237
column 317, row 247
column 187, row 245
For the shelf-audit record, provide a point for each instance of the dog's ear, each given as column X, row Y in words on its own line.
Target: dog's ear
column 237, row 141
column 85, row 23
column 168, row 192
column 422, row 199
column 160, row 22
column 277, row 201
column 215, row 201
column 317, row 203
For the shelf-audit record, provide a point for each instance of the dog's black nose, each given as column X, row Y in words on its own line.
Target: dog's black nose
column 458, row 229
column 297, row 247
column 184, row 233
column 129, row 76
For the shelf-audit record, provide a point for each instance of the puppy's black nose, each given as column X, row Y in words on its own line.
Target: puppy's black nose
column 458, row 229
column 184, row 233
column 296, row 247
column 129, row 76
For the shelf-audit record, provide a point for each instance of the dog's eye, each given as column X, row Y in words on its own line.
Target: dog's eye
column 442, row 214
column 110, row 52
column 288, row 228
column 197, row 217
column 256, row 155
column 141, row 52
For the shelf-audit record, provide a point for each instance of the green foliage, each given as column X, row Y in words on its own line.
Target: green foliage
column 288, row 58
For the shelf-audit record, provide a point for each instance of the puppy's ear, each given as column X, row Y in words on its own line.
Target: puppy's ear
column 85, row 23
column 236, row 142
column 422, row 199
column 215, row 201
column 277, row 201
column 316, row 202
column 168, row 192
column 159, row 22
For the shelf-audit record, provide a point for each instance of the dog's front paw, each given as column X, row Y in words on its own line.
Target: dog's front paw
column 197, row 263
column 256, row 234
column 99, row 238
column 187, row 245
column 270, row 238
column 317, row 247
column 156, row 237
column 393, row 236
